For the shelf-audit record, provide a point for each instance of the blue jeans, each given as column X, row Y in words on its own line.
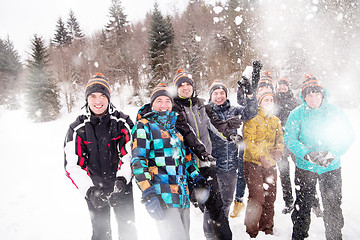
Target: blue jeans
column 241, row 184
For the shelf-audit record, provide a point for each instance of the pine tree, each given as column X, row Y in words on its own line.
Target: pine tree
column 41, row 92
column 10, row 69
column 161, row 36
column 115, row 27
column 73, row 28
column 62, row 36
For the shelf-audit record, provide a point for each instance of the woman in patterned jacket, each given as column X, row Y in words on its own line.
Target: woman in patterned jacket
column 162, row 167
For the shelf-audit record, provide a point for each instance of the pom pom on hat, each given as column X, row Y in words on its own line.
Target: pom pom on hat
column 98, row 83
column 181, row 77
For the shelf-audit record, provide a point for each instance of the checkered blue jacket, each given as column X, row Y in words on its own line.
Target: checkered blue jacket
column 160, row 158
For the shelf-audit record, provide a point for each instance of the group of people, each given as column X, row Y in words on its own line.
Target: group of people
column 182, row 150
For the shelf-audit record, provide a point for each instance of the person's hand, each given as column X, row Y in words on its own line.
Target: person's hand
column 264, row 162
column 153, row 204
column 119, row 191
column 97, row 197
column 321, row 158
column 276, row 154
column 257, row 65
column 236, row 138
column 206, row 157
column 234, row 122
column 248, row 89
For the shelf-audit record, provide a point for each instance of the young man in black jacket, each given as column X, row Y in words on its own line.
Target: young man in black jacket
column 97, row 160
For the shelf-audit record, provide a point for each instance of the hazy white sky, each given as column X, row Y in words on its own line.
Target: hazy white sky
column 21, row 19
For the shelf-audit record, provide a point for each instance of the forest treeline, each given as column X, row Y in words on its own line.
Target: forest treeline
column 211, row 42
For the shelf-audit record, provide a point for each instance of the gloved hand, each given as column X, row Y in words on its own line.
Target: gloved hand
column 248, row 89
column 201, row 189
column 119, row 191
column 236, row 138
column 234, row 122
column 97, row 197
column 153, row 204
column 257, row 65
column 321, row 158
column 206, row 157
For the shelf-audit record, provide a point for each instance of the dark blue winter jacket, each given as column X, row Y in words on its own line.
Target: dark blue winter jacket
column 226, row 152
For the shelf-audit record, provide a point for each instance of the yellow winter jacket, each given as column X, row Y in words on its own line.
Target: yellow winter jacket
column 262, row 134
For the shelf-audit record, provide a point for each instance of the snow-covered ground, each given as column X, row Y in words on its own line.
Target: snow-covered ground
column 38, row 201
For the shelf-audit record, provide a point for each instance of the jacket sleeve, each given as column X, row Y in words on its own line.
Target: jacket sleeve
column 190, row 165
column 75, row 161
column 219, row 124
column 124, row 148
column 140, row 155
column 249, row 110
column 292, row 133
column 190, row 139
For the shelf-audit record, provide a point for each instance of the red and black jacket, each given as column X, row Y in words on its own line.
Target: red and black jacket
column 97, row 150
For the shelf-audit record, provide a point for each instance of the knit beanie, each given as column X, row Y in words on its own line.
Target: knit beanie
column 181, row 77
column 263, row 93
column 160, row 90
column 311, row 85
column 217, row 84
column 266, row 81
column 98, row 83
column 283, row 81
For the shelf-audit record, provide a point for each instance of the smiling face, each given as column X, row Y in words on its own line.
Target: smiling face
column 98, row 103
column 162, row 104
column 314, row 99
column 185, row 90
column 218, row 96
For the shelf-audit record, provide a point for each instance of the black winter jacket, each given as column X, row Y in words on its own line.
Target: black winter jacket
column 285, row 102
column 226, row 153
column 96, row 150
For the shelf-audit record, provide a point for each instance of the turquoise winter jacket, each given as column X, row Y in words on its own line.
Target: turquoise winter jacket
column 324, row 129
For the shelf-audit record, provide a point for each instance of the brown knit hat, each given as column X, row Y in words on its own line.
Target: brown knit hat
column 98, row 83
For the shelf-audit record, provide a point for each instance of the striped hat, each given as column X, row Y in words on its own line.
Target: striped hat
column 160, row 90
column 311, row 84
column 263, row 93
column 266, row 81
column 181, row 77
column 217, row 84
column 98, row 83
column 283, row 81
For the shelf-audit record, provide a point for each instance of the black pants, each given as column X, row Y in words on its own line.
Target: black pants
column 124, row 214
column 284, row 170
column 330, row 187
column 214, row 205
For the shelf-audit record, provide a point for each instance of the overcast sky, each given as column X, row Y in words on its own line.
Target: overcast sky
column 21, row 19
